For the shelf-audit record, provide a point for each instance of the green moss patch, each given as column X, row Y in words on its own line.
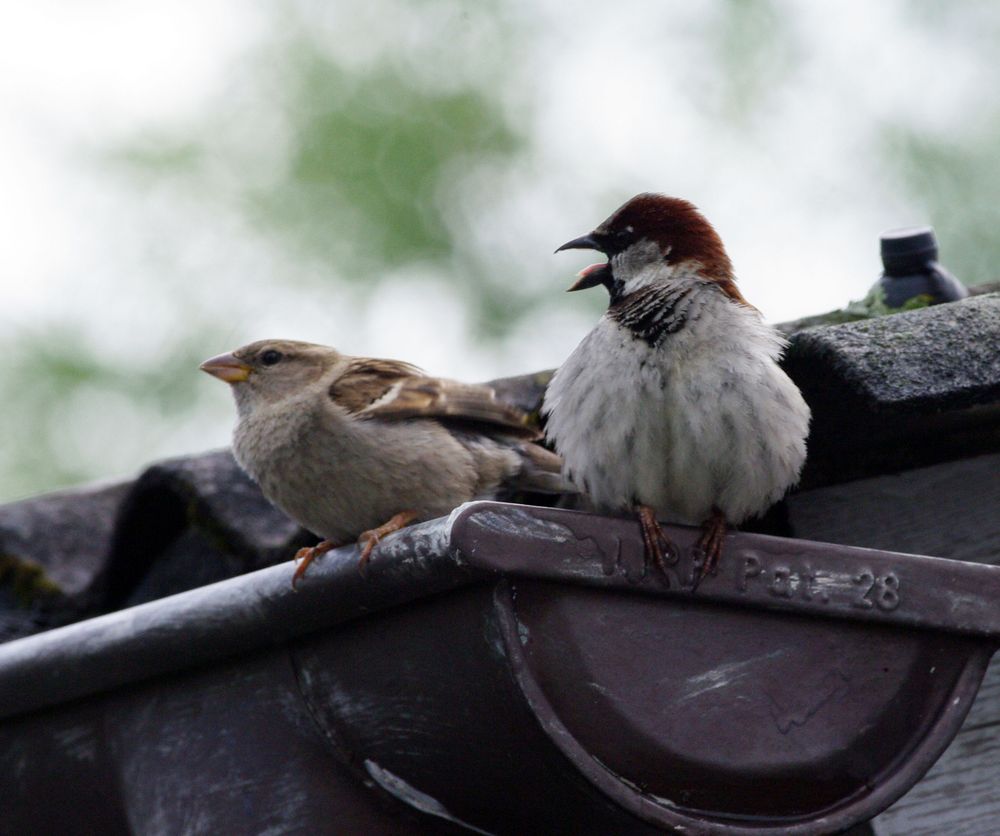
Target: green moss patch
column 27, row 580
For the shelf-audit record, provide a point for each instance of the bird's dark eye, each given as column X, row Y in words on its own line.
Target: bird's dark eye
column 271, row 356
column 623, row 237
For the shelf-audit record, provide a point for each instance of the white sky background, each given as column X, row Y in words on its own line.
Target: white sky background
column 619, row 105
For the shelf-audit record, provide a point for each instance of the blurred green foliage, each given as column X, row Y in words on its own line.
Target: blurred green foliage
column 957, row 177
column 376, row 153
column 70, row 397
column 755, row 48
column 357, row 184
column 347, row 167
column 340, row 140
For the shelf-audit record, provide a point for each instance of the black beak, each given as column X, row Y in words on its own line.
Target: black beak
column 595, row 274
column 584, row 242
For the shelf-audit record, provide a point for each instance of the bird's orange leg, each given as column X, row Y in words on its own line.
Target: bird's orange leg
column 308, row 555
column 370, row 538
column 713, row 532
column 655, row 542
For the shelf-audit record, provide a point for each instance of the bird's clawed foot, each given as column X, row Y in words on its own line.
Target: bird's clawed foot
column 657, row 545
column 308, row 555
column 713, row 532
column 369, row 539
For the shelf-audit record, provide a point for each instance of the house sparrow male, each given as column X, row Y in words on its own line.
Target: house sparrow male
column 674, row 405
column 355, row 448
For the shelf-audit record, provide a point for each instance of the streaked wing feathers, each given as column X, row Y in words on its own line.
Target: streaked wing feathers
column 395, row 391
column 365, row 381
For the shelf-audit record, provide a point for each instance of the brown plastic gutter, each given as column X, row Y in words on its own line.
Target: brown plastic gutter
column 511, row 667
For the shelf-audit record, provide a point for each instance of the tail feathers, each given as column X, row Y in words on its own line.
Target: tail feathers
column 541, row 471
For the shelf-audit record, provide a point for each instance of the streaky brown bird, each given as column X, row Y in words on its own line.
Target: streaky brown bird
column 353, row 448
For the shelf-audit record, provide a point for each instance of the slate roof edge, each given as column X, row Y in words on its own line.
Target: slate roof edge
column 477, row 541
column 218, row 621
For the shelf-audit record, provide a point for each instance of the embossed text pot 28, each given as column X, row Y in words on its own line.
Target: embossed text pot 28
column 513, row 668
column 690, row 711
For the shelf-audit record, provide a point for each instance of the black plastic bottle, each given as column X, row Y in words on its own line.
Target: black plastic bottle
column 909, row 258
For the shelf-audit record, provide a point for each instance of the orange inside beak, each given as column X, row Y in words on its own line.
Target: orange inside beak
column 226, row 367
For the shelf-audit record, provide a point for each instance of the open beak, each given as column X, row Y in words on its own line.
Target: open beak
column 226, row 367
column 593, row 275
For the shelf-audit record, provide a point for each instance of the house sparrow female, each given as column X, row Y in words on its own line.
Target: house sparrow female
column 674, row 405
column 355, row 448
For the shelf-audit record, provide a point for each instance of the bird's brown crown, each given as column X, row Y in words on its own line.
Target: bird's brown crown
column 676, row 225
column 270, row 352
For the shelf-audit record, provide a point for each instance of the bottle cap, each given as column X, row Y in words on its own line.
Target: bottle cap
column 908, row 249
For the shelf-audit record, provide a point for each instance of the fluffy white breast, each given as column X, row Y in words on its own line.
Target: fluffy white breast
column 706, row 418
